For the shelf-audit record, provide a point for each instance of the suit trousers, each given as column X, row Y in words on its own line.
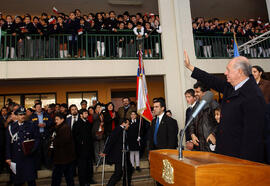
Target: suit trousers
column 85, row 173
column 118, row 172
column 29, row 183
column 59, row 170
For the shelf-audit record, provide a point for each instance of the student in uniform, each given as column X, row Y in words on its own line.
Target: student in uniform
column 10, row 47
column 147, row 40
column 18, row 36
column 28, row 31
column 139, row 33
column 83, row 29
column 134, row 138
column 73, row 27
column 130, row 46
column 121, row 41
column 99, row 26
column 111, row 26
column 61, row 29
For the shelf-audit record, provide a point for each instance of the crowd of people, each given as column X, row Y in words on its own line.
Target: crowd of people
column 222, row 32
column 66, row 138
column 77, row 35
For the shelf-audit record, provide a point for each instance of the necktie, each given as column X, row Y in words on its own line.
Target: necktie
column 156, row 130
column 74, row 120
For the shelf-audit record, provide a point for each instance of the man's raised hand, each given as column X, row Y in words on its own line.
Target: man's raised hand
column 187, row 61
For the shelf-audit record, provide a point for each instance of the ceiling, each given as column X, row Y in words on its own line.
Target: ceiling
column 224, row 9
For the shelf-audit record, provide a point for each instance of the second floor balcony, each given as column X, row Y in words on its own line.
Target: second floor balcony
column 221, row 46
column 89, row 46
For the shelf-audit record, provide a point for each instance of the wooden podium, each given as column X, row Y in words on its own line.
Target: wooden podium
column 206, row 169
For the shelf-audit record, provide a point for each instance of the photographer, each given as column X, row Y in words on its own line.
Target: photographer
column 113, row 150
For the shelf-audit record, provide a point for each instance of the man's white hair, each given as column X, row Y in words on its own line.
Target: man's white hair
column 243, row 64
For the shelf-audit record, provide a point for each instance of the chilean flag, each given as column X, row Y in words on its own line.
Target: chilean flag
column 55, row 10
column 52, row 21
column 143, row 106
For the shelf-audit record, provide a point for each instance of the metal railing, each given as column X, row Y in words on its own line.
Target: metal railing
column 71, row 47
column 222, row 46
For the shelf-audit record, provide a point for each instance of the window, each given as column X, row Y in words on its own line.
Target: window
column 77, row 97
column 2, row 101
column 46, row 99
column 28, row 99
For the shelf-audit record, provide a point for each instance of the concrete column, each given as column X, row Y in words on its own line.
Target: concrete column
column 173, row 83
column 268, row 8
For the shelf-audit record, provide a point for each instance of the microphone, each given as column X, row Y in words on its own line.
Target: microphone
column 207, row 98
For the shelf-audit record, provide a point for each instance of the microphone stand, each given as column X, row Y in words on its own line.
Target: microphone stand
column 124, row 162
column 194, row 114
column 180, row 156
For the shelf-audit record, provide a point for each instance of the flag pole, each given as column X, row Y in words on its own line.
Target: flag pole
column 139, row 133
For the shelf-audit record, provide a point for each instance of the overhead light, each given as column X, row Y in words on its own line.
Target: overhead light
column 125, row 2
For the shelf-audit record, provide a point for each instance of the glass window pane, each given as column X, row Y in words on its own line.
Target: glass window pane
column 75, row 98
column 1, row 101
column 30, row 100
column 14, row 98
column 47, row 99
column 90, row 97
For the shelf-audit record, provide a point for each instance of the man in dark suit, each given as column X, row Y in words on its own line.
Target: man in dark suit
column 243, row 110
column 84, row 145
column 193, row 103
column 113, row 150
column 3, row 126
column 164, row 129
column 73, row 116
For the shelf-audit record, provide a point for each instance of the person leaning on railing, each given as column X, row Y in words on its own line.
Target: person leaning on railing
column 72, row 29
column 10, row 42
column 99, row 26
column 83, row 29
column 61, row 30
column 17, row 33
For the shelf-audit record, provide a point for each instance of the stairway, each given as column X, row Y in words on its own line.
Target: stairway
column 138, row 178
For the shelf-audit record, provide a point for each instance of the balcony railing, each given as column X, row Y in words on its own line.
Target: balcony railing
column 222, row 47
column 81, row 47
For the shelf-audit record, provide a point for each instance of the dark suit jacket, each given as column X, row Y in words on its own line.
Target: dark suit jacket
column 265, row 88
column 242, row 117
column 114, row 145
column 64, row 149
column 69, row 119
column 166, row 135
column 188, row 115
column 267, row 134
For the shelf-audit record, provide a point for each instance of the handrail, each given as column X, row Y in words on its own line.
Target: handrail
column 101, row 45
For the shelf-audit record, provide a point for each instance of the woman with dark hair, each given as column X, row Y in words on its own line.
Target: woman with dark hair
column 111, row 119
column 91, row 111
column 62, row 152
column 264, row 84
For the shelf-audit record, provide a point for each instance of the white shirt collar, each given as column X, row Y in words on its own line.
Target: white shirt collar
column 161, row 116
column 20, row 124
column 191, row 106
column 239, row 85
